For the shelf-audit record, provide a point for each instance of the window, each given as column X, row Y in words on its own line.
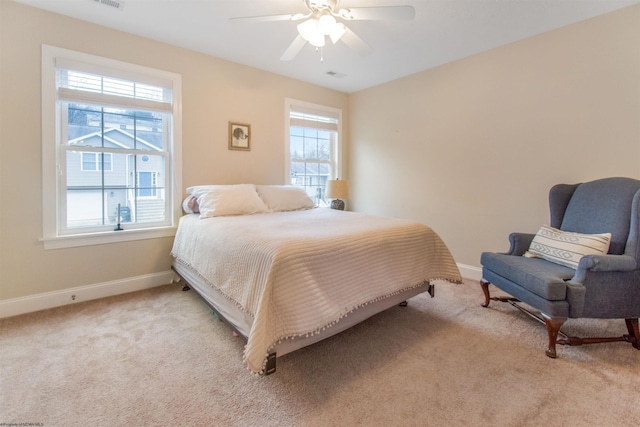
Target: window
column 313, row 147
column 111, row 143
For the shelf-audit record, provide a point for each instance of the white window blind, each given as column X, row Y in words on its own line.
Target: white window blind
column 313, row 118
column 76, row 85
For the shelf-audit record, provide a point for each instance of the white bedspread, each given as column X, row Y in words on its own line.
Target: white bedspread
column 299, row 272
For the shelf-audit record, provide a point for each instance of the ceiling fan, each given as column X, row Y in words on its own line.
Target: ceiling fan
column 322, row 20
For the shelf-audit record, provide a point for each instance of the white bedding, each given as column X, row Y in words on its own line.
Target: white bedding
column 298, row 272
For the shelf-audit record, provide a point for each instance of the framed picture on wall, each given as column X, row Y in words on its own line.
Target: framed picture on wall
column 239, row 136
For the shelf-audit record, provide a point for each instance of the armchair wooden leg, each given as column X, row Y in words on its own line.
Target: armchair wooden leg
column 553, row 327
column 485, row 289
column 634, row 332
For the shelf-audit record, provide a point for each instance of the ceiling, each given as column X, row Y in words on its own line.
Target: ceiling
column 442, row 31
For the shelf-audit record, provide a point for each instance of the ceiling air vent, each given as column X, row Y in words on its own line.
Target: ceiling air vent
column 335, row 74
column 116, row 4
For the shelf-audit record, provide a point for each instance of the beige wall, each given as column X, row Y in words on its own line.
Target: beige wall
column 472, row 147
column 469, row 148
column 214, row 92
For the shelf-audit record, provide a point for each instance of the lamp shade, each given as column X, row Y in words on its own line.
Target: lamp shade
column 337, row 189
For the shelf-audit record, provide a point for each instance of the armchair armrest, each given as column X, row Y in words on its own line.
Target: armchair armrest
column 603, row 263
column 607, row 263
column 520, row 243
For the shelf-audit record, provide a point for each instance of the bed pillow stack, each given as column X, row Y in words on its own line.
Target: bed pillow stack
column 225, row 200
column 244, row 199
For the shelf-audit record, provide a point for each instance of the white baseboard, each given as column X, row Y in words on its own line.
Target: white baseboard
column 470, row 272
column 31, row 303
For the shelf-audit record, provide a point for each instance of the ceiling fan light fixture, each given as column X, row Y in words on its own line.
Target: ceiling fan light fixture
column 326, row 24
column 310, row 31
column 317, row 41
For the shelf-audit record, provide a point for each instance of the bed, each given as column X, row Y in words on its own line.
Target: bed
column 285, row 278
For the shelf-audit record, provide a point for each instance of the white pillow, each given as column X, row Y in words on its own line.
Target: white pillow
column 567, row 248
column 240, row 199
column 190, row 205
column 282, row 198
column 198, row 190
column 185, row 205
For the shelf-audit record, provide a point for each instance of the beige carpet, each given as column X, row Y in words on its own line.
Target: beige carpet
column 160, row 358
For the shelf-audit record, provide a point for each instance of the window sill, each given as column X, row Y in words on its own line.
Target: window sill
column 76, row 240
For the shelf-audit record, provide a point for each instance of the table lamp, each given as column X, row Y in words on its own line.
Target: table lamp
column 337, row 189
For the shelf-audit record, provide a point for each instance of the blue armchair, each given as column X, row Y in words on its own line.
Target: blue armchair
column 602, row 286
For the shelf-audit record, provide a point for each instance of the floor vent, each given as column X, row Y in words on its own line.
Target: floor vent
column 116, row 4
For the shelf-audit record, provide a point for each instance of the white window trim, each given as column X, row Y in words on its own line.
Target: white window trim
column 50, row 117
column 339, row 170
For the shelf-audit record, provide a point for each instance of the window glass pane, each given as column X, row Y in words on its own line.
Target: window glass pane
column 324, row 149
column 297, row 147
column 313, row 176
column 115, row 128
column 324, row 171
column 310, row 148
column 117, row 175
column 149, row 202
column 310, row 133
column 85, row 125
column 105, row 162
column 84, row 115
column 135, row 182
column 91, row 186
column 85, row 207
column 96, row 162
column 297, row 173
column 149, row 131
column 89, row 162
column 297, row 131
column 317, row 175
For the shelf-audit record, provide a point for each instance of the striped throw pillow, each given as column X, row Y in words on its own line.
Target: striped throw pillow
column 567, row 248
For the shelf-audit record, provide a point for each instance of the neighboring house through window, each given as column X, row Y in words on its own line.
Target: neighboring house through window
column 111, row 146
column 96, row 162
column 314, row 147
column 147, row 184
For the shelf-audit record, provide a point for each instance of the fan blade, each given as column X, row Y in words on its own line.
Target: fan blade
column 293, row 49
column 405, row 13
column 352, row 40
column 270, row 18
